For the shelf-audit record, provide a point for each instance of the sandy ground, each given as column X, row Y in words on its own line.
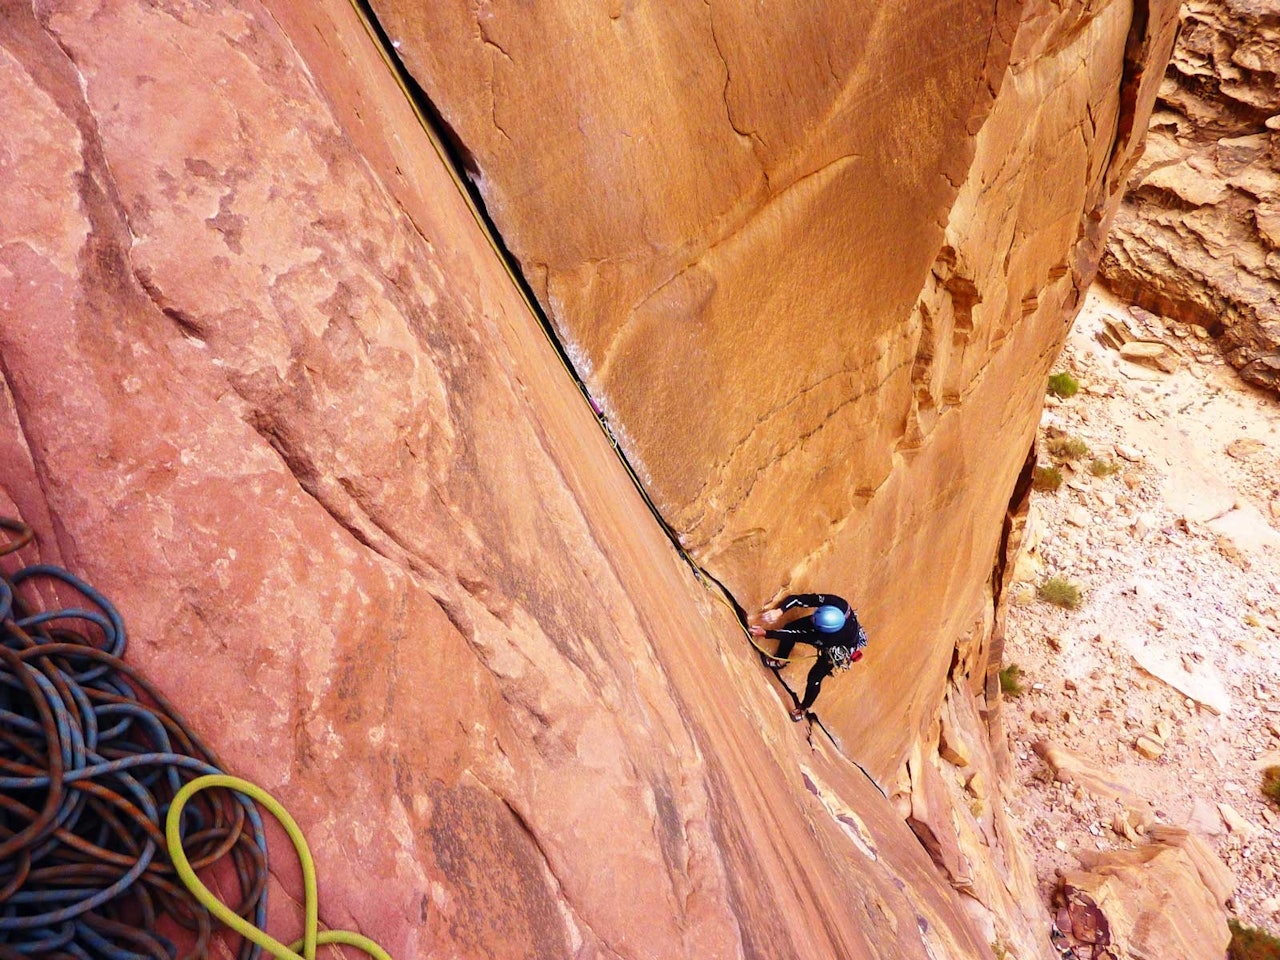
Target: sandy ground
column 1177, row 556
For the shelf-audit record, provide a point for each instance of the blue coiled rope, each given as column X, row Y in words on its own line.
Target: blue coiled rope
column 91, row 758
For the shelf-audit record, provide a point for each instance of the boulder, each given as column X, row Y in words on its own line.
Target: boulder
column 1204, row 686
column 1165, row 898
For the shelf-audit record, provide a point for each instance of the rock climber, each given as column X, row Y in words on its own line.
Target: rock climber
column 832, row 627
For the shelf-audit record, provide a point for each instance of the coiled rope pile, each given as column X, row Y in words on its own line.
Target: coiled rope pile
column 106, row 802
column 91, row 756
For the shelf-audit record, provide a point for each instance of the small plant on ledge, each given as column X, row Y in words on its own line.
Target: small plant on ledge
column 1011, row 680
column 1046, row 478
column 1250, row 943
column 1067, row 448
column 1063, row 385
column 1059, row 591
column 1104, row 468
column 1271, row 784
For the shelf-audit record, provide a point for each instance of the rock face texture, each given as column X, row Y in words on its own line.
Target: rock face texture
column 1198, row 235
column 1165, row 898
column 820, row 258
column 266, row 384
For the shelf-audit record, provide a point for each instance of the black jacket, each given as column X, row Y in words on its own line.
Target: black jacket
column 804, row 630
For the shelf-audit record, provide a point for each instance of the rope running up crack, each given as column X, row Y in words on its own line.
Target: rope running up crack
column 713, row 585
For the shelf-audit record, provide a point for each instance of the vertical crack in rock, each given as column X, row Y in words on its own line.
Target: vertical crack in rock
column 738, row 128
column 1012, row 531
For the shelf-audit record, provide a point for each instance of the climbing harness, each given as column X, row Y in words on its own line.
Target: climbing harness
column 842, row 658
column 91, row 758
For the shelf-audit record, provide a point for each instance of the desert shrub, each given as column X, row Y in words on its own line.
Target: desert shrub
column 1104, row 468
column 1046, row 478
column 1271, row 784
column 1059, row 591
column 1011, row 680
column 1067, row 448
column 1250, row 943
column 1063, row 385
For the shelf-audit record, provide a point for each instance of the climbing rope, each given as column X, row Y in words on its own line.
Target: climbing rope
column 303, row 949
column 428, row 125
column 92, row 758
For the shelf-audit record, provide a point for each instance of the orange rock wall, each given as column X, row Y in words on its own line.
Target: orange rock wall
column 265, row 383
column 815, row 260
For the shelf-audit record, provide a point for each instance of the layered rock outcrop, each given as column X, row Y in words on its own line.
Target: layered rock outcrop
column 1164, row 898
column 1198, row 236
column 267, row 385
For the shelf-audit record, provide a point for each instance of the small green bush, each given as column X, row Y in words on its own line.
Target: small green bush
column 1046, row 478
column 1011, row 680
column 1067, row 448
column 1271, row 784
column 1063, row 385
column 1059, row 591
column 1104, row 468
column 1250, row 943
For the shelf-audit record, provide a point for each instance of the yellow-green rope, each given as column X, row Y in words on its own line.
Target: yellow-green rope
column 311, row 937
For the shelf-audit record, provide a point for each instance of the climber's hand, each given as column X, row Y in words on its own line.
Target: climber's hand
column 771, row 617
column 757, row 630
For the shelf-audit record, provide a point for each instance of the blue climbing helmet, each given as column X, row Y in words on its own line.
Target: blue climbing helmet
column 829, row 619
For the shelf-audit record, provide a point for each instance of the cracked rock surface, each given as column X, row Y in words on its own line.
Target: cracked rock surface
column 814, row 261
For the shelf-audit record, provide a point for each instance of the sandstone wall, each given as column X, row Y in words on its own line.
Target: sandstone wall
column 1198, row 236
column 815, row 260
column 266, row 385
